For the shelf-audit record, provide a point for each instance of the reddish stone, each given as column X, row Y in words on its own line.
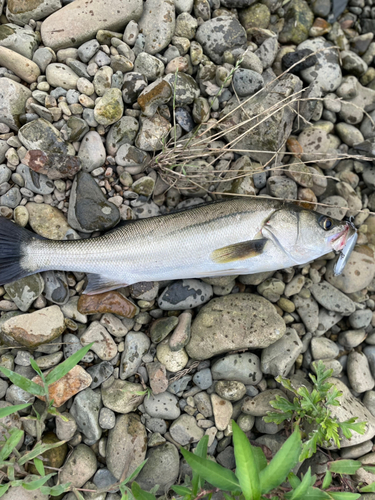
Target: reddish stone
column 294, row 147
column 76, row 380
column 107, row 302
column 53, row 165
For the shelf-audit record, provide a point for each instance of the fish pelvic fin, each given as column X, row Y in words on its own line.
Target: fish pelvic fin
column 98, row 284
column 14, row 240
column 239, row 251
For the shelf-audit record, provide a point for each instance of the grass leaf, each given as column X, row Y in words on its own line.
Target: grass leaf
column 345, row 466
column 63, row 368
column 281, row 464
column 212, row 472
column 200, row 451
column 10, row 443
column 370, row 488
column 38, row 449
column 39, row 466
column 300, row 491
column 247, row 470
column 327, row 480
column 4, row 488
column 35, row 485
column 140, row 494
column 344, row 495
column 4, row 412
column 134, row 474
column 23, row 382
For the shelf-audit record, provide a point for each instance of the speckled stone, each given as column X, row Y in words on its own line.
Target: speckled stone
column 157, row 24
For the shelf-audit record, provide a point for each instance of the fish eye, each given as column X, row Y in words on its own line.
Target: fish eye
column 325, row 222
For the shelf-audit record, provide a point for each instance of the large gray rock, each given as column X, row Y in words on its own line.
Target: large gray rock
column 351, row 407
column 21, row 12
column 23, row 41
column 58, row 31
column 13, row 97
column 270, row 134
column 126, row 445
column 233, row 322
column 157, row 24
column 79, row 467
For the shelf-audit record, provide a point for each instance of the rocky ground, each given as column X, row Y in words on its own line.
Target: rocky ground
column 88, row 95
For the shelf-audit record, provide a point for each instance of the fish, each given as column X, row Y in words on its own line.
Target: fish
column 231, row 237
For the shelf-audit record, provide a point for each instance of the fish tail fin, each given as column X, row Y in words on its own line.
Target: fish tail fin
column 13, row 243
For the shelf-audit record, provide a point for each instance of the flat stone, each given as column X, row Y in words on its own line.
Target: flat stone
column 136, row 345
column 13, row 97
column 359, row 372
column 154, row 95
column 23, row 41
column 152, row 131
column 40, row 134
column 184, row 430
column 80, row 466
column 100, row 373
column 92, row 152
column 162, row 327
column 203, row 379
column 185, row 88
column 60, row 75
column 85, row 409
column 76, row 380
column 323, row 348
column 298, row 21
column 259, row 406
column 234, row 322
column 162, row 468
column 122, row 132
column 185, row 294
column 349, row 407
column 157, row 24
column 49, row 222
column 21, row 66
column 56, row 287
column 308, row 310
column 104, row 346
column 181, row 334
column 107, row 302
column 36, row 183
column 332, row 299
column 163, row 405
column 243, row 368
column 120, row 396
column 59, row 32
column 230, row 390
column 53, row 165
column 157, row 374
column 89, row 209
column 279, row 358
column 37, row 328
column 25, row 291
column 126, row 445
column 149, row 66
column 222, row 410
column 22, row 12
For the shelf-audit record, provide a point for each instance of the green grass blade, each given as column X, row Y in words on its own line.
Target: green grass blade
column 370, row 488
column 300, row 492
column 345, row 466
column 4, row 488
column 63, row 368
column 35, row 485
column 327, row 480
column 39, row 466
column 247, row 470
column 23, row 382
column 344, row 495
column 4, row 412
column 134, row 474
column 200, row 451
column 10, row 443
column 282, row 463
column 317, row 494
column 140, row 494
column 38, row 449
column 212, row 472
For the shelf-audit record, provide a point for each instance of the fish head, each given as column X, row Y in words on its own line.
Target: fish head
column 306, row 235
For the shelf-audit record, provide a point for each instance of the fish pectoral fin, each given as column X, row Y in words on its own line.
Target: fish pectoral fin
column 239, row 251
column 99, row 284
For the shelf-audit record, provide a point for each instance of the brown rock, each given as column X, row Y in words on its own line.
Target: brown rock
column 54, row 457
column 34, row 329
column 107, row 302
column 53, row 165
column 158, row 377
column 73, row 382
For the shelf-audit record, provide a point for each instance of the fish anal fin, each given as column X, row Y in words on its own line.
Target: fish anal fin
column 239, row 251
column 99, row 284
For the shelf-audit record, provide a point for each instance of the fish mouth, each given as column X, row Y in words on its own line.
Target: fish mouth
column 338, row 241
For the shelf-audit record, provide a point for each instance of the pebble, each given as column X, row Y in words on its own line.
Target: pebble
column 174, row 361
column 23, row 293
column 121, row 396
column 79, row 467
column 185, row 294
column 164, row 405
column 279, row 357
column 260, row 405
column 184, row 430
column 203, row 379
column 136, row 346
column 109, row 108
column 332, row 299
column 85, row 410
column 246, row 82
column 126, row 445
column 243, row 368
column 21, row 66
column 323, row 348
column 230, row 390
column 157, row 24
column 157, row 374
column 162, row 468
column 100, row 373
column 103, row 344
column 76, row 380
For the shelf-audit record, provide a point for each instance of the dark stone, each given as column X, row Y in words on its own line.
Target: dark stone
column 89, row 209
column 293, row 57
column 100, row 373
column 184, row 119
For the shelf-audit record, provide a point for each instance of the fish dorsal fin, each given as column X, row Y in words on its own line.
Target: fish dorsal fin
column 99, row 284
column 239, row 251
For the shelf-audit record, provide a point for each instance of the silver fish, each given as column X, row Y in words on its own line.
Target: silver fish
column 236, row 236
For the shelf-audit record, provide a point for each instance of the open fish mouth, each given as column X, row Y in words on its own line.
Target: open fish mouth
column 344, row 243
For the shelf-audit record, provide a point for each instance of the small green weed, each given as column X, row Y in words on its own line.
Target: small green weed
column 312, row 409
